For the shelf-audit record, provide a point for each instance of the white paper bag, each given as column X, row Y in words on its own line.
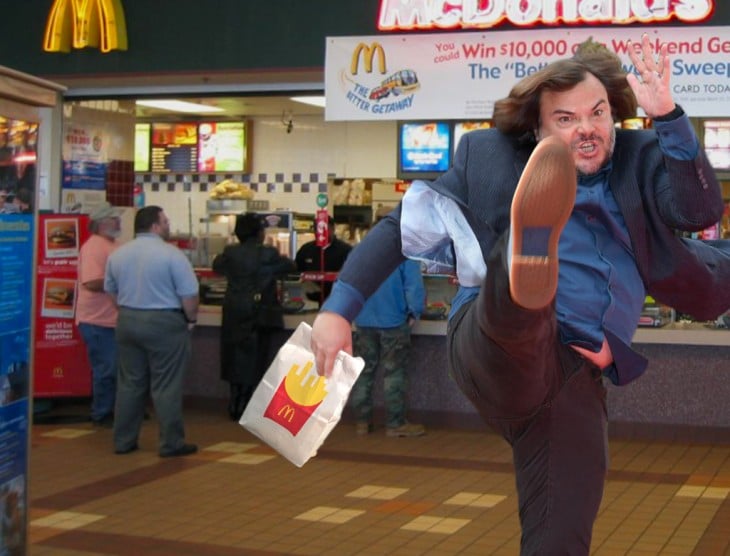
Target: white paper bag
column 293, row 409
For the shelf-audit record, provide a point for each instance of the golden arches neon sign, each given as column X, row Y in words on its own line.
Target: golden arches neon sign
column 82, row 23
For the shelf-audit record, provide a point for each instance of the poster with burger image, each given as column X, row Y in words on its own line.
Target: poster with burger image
column 58, row 298
column 60, row 364
column 61, row 238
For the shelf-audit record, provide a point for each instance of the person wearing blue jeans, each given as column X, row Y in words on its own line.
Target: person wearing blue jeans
column 101, row 348
column 96, row 312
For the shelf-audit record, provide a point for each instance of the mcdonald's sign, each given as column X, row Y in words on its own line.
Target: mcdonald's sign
column 368, row 54
column 436, row 14
column 82, row 23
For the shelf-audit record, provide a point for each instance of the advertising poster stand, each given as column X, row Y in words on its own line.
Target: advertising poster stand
column 61, row 364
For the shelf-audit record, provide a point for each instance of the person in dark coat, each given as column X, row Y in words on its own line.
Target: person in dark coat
column 252, row 312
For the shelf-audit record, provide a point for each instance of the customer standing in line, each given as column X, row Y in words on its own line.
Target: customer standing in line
column 156, row 291
column 382, row 337
column 252, row 312
column 96, row 312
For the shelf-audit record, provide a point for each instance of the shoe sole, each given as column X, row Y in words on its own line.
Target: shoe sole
column 541, row 207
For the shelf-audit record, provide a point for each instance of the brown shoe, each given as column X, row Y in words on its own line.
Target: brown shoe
column 406, row 429
column 541, row 206
column 363, row 429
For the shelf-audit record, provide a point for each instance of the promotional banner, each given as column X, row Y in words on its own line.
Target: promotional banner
column 61, row 363
column 85, row 156
column 461, row 75
column 16, row 254
column 18, row 191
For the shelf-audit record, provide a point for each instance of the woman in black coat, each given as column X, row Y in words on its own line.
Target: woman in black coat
column 252, row 312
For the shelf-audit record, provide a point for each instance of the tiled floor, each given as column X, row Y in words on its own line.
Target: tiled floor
column 450, row 492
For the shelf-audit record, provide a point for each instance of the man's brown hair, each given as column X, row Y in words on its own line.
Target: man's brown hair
column 519, row 113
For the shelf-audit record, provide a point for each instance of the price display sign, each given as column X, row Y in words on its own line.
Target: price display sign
column 174, row 147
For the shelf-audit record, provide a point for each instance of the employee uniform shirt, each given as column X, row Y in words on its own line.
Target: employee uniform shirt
column 148, row 273
column 309, row 256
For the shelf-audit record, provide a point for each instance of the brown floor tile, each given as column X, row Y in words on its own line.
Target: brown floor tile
column 201, row 506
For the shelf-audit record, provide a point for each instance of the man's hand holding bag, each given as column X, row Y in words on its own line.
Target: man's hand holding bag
column 294, row 409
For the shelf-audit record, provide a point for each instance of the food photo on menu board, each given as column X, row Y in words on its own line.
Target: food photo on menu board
column 222, row 147
column 61, row 238
column 58, row 297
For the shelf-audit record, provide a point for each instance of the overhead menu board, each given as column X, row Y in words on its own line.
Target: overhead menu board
column 424, row 149
column 174, row 147
column 461, row 128
column 164, row 147
column 222, row 147
column 141, row 147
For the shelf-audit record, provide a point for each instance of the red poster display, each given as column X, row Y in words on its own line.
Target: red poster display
column 61, row 364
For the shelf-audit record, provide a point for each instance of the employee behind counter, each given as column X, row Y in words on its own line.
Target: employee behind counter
column 309, row 258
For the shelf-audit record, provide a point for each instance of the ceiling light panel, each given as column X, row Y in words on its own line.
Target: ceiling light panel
column 179, row 106
column 311, row 100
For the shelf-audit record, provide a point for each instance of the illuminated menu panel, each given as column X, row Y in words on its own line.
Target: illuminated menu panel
column 141, row 147
column 174, row 147
column 461, row 128
column 222, row 147
column 425, row 147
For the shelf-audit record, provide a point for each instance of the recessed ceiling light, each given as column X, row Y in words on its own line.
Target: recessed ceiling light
column 313, row 101
column 180, row 106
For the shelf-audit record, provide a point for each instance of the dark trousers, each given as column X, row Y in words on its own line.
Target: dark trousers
column 244, row 363
column 154, row 355
column 546, row 400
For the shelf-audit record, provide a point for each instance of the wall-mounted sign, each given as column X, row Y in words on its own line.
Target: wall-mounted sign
column 82, row 23
column 174, row 147
column 85, row 154
column 459, row 76
column 206, row 147
column 222, row 146
column 142, row 147
column 481, row 14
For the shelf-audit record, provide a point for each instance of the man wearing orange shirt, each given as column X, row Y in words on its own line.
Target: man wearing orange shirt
column 96, row 312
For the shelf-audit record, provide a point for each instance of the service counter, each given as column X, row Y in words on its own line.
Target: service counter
column 687, row 384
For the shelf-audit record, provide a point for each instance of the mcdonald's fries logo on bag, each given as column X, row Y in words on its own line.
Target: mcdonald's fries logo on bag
column 298, row 396
column 82, row 23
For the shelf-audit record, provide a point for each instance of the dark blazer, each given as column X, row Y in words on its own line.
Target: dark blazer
column 658, row 196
